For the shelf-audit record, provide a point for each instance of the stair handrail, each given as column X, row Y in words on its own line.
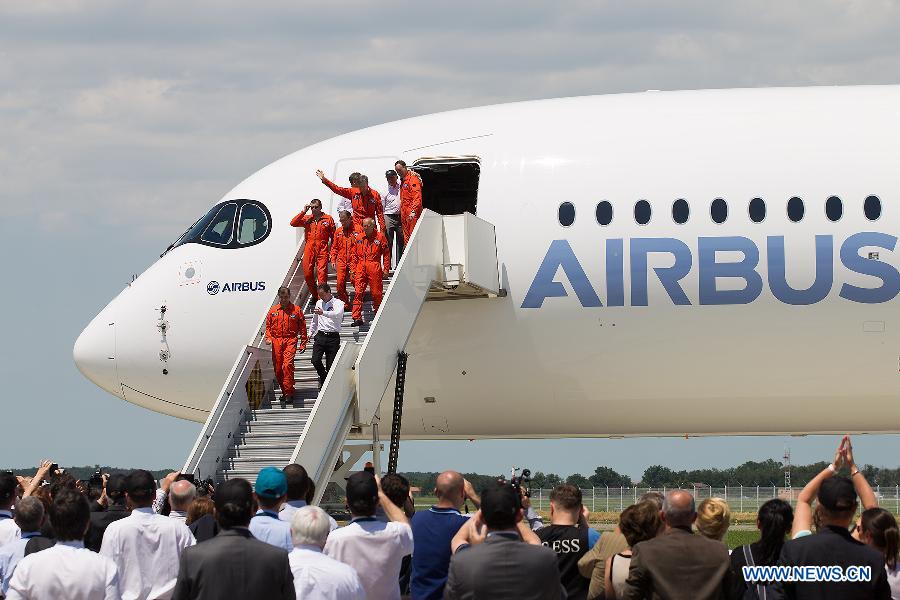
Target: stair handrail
column 231, row 408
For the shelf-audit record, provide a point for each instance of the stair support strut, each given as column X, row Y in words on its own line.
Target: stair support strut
column 394, row 450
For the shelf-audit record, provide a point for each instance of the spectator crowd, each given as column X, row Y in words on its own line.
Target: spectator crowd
column 129, row 538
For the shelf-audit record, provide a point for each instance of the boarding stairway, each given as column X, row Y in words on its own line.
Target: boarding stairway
column 248, row 428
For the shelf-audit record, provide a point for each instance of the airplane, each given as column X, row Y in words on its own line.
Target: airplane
column 674, row 263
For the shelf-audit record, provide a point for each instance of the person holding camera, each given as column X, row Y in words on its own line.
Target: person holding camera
column 569, row 536
column 113, row 496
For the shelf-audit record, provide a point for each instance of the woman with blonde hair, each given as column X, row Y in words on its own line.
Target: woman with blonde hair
column 713, row 518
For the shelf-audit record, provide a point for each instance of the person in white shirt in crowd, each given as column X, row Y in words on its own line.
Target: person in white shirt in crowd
column 298, row 487
column 159, row 501
column 181, row 494
column 325, row 330
column 145, row 546
column 271, row 492
column 316, row 576
column 67, row 570
column 392, row 225
column 29, row 518
column 372, row 547
column 9, row 531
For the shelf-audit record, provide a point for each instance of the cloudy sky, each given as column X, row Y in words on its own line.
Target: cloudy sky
column 122, row 121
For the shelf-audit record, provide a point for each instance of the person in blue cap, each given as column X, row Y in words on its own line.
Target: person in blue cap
column 271, row 492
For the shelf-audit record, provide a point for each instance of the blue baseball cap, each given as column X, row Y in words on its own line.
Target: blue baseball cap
column 271, row 483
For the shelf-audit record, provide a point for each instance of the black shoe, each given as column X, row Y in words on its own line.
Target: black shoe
column 357, row 323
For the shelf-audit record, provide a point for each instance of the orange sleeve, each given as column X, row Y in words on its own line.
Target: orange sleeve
column 269, row 325
column 379, row 210
column 332, row 256
column 300, row 219
column 340, row 191
column 416, row 187
column 386, row 253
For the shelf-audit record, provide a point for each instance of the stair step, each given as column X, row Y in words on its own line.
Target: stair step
column 287, row 426
column 268, row 437
column 258, row 462
column 279, row 414
column 274, row 448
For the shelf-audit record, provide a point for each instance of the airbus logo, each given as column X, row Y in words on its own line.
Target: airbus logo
column 213, row 287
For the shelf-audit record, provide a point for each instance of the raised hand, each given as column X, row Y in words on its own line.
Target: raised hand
column 320, row 175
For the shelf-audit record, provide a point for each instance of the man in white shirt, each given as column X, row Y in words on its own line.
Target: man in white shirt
column 298, row 486
column 67, row 570
column 29, row 518
column 145, row 546
column 9, row 531
column 372, row 547
column 392, row 226
column 316, row 576
column 326, row 330
column 181, row 494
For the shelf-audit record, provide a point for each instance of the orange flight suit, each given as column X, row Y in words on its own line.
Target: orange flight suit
column 315, row 254
column 343, row 257
column 368, row 206
column 371, row 254
column 410, row 202
column 282, row 328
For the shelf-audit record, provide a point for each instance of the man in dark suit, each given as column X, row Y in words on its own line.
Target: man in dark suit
column 833, row 546
column 234, row 564
column 117, row 509
column 502, row 566
column 678, row 564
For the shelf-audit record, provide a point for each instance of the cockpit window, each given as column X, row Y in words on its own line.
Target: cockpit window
column 252, row 225
column 219, row 230
column 230, row 224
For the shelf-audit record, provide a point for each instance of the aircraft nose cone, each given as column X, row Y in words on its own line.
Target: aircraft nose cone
column 95, row 354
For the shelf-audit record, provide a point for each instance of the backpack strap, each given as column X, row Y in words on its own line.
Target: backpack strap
column 760, row 588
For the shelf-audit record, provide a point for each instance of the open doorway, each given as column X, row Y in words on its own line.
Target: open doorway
column 449, row 185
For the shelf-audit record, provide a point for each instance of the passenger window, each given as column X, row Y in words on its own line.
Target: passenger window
column 220, row 228
column 681, row 211
column 642, row 212
column 253, row 224
column 872, row 208
column 566, row 214
column 604, row 213
column 834, row 208
column 795, row 209
column 757, row 210
column 718, row 210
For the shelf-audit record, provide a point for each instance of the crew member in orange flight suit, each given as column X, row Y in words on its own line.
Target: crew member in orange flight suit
column 343, row 253
column 410, row 199
column 372, row 251
column 284, row 322
column 319, row 229
column 366, row 202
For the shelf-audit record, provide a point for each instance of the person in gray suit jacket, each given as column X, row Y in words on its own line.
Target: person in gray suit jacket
column 678, row 565
column 501, row 565
column 234, row 564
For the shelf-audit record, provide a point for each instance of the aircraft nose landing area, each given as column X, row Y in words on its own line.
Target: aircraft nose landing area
column 95, row 354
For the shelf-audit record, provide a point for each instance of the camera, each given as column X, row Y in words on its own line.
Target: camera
column 96, row 479
column 521, row 480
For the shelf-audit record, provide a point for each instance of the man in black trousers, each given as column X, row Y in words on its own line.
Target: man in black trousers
column 326, row 330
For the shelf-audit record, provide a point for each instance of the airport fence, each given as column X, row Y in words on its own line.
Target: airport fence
column 740, row 498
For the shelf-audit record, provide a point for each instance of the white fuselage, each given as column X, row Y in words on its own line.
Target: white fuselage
column 801, row 341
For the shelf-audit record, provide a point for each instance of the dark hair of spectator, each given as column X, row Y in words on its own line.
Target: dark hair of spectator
column 200, row 507
column 234, row 503
column 640, row 522
column 69, row 515
column 395, row 487
column 566, row 497
column 61, row 482
column 881, row 526
column 29, row 514
column 141, row 486
column 500, row 503
column 657, row 498
column 775, row 518
column 297, row 478
column 116, row 486
column 362, row 494
column 324, row 287
column 8, row 485
column 311, row 492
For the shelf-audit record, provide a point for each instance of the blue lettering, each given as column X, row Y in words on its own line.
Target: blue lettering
column 544, row 286
column 886, row 272
column 820, row 288
column 668, row 276
column 710, row 270
column 615, row 272
column 262, row 286
column 226, row 288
